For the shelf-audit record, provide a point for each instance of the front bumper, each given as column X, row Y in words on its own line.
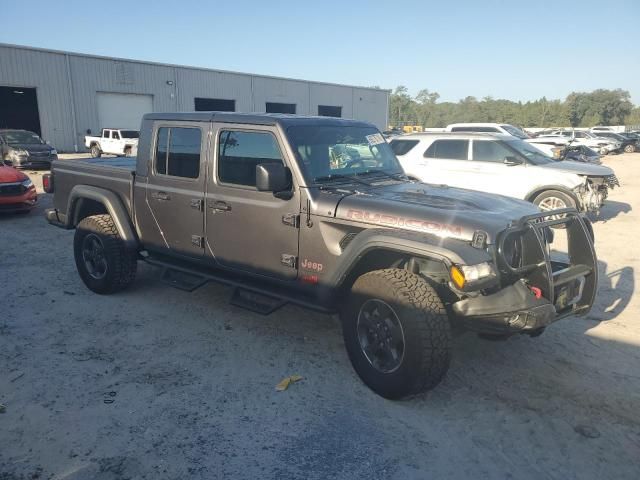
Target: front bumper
column 541, row 290
column 17, row 203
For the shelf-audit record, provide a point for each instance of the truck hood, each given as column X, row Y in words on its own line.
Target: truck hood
column 434, row 209
column 11, row 175
column 31, row 147
column 578, row 168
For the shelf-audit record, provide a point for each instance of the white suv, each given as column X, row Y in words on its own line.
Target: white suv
column 504, row 165
column 487, row 128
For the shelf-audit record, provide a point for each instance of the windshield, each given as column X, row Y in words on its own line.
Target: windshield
column 328, row 153
column 129, row 133
column 516, row 132
column 21, row 137
column 531, row 153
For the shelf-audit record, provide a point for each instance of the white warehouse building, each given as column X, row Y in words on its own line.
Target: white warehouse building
column 63, row 95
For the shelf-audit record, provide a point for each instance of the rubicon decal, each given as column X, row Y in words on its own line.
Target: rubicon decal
column 403, row 222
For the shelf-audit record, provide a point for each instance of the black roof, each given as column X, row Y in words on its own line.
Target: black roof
column 282, row 119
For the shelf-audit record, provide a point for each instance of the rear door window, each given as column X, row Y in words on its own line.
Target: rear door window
column 449, row 149
column 402, row 147
column 178, row 152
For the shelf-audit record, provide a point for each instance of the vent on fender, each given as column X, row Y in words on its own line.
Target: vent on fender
column 346, row 240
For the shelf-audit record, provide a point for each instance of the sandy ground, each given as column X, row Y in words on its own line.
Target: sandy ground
column 157, row 383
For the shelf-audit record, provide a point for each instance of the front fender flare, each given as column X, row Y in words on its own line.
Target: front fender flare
column 113, row 205
column 447, row 250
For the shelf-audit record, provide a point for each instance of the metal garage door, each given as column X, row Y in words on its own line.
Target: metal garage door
column 122, row 110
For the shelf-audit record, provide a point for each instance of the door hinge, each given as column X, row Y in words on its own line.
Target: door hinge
column 197, row 203
column 291, row 219
column 197, row 240
column 290, row 261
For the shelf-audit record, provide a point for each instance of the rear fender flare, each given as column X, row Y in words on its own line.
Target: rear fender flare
column 111, row 203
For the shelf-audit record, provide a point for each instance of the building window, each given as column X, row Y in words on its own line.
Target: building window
column 178, row 152
column 329, row 111
column 240, row 152
column 273, row 107
column 214, row 105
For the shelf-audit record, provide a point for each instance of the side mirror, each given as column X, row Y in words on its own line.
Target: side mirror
column 512, row 161
column 272, row 177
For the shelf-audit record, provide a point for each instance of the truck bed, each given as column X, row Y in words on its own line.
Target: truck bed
column 114, row 174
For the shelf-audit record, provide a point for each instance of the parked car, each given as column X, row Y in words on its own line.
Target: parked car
column 504, row 128
column 113, row 141
column 17, row 192
column 505, row 165
column 580, row 137
column 626, row 144
column 317, row 211
column 580, row 153
column 24, row 149
column 634, row 137
column 602, row 129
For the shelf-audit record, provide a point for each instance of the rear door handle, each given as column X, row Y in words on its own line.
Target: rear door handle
column 161, row 196
column 221, row 206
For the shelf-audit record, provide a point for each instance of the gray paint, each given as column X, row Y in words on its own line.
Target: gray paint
column 67, row 83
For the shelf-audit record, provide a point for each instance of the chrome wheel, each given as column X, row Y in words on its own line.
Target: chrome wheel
column 93, row 255
column 380, row 335
column 552, row 203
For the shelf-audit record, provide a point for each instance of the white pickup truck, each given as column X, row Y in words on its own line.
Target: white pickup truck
column 113, row 141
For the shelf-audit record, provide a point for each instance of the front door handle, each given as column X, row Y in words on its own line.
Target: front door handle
column 221, row 206
column 161, row 196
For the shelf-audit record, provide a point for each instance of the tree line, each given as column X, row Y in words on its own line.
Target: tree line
column 579, row 109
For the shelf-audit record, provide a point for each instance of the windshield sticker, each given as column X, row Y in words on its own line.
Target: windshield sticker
column 375, row 139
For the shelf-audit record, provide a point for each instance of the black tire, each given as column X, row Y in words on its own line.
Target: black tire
column 127, row 152
column 103, row 261
column 95, row 151
column 630, row 148
column 423, row 325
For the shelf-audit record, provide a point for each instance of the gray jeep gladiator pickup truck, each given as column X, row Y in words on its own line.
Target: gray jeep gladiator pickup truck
column 318, row 212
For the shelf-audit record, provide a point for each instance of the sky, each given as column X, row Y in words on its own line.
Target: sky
column 519, row 50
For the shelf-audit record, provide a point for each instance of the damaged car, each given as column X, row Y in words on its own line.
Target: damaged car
column 505, row 165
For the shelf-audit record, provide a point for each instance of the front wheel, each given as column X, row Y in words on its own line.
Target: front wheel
column 554, row 200
column 104, row 262
column 630, row 149
column 397, row 333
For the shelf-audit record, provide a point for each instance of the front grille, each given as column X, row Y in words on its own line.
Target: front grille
column 611, row 181
column 12, row 190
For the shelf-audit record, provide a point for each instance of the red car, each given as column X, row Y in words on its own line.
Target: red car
column 17, row 191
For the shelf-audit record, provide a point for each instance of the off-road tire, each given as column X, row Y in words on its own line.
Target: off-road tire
column 424, row 322
column 95, row 151
column 630, row 148
column 121, row 261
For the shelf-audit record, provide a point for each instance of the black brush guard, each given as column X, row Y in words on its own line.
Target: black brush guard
column 569, row 284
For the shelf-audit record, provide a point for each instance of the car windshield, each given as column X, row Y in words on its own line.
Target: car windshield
column 17, row 137
column 516, row 132
column 531, row 153
column 129, row 133
column 341, row 153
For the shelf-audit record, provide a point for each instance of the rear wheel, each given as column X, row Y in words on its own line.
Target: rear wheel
column 127, row 152
column 630, row 149
column 104, row 262
column 397, row 333
column 95, row 151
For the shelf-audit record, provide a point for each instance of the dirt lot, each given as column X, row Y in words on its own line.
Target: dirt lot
column 158, row 383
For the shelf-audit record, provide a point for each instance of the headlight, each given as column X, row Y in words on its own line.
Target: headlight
column 53, row 152
column 464, row 274
column 19, row 153
column 27, row 183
